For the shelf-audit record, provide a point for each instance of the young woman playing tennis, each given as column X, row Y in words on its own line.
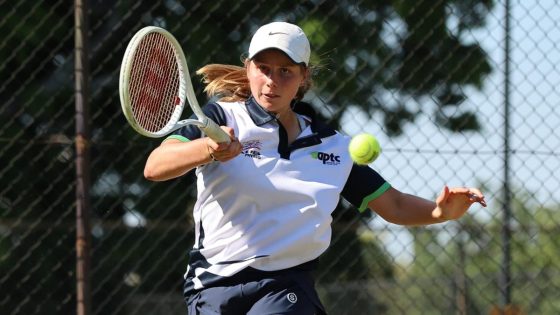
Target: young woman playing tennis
column 263, row 213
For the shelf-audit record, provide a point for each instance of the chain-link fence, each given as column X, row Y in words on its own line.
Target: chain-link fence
column 455, row 93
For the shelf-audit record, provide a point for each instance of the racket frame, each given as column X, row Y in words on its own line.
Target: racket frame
column 186, row 91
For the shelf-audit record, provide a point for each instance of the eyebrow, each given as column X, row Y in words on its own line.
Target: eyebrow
column 284, row 64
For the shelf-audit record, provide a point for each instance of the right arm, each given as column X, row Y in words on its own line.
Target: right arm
column 174, row 158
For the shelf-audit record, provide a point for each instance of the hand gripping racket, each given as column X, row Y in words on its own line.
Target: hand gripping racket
column 154, row 83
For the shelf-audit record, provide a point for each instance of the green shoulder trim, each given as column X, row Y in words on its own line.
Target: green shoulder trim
column 177, row 137
column 374, row 195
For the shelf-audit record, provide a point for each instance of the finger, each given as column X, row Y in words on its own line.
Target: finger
column 228, row 151
column 228, row 156
column 482, row 202
column 443, row 195
column 476, row 192
column 230, row 131
column 224, row 147
column 459, row 190
column 478, row 198
column 475, row 195
column 211, row 145
column 238, row 147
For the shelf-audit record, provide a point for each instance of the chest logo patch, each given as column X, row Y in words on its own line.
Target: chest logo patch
column 326, row 158
column 252, row 149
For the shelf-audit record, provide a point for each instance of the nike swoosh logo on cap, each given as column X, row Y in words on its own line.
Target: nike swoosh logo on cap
column 275, row 33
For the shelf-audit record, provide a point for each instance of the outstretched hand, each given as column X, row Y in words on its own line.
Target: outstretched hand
column 452, row 203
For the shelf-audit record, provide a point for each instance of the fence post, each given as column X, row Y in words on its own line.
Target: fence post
column 83, row 236
column 505, row 277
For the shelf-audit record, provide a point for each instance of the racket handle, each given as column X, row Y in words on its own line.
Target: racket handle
column 214, row 131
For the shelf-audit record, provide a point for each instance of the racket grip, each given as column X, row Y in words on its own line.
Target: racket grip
column 214, row 131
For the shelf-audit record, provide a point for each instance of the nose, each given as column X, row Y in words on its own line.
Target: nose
column 271, row 79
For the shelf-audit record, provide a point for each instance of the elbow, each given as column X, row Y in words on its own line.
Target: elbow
column 153, row 170
column 150, row 173
column 392, row 218
column 159, row 174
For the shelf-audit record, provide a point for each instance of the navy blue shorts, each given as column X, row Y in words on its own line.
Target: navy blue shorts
column 290, row 292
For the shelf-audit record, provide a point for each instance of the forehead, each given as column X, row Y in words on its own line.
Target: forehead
column 274, row 56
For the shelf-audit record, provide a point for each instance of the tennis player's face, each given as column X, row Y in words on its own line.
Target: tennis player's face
column 274, row 80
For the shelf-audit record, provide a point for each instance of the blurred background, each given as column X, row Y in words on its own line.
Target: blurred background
column 459, row 92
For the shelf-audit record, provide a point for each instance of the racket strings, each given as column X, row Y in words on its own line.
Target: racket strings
column 154, row 82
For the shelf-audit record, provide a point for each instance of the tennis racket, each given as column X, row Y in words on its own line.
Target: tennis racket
column 154, row 83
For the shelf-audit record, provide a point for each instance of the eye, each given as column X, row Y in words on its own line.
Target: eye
column 263, row 68
column 285, row 71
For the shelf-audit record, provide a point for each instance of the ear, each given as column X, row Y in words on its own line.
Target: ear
column 306, row 75
column 247, row 65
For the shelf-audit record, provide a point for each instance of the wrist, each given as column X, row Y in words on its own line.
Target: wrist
column 211, row 157
column 437, row 215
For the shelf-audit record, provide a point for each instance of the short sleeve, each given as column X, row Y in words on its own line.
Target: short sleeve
column 363, row 185
column 191, row 132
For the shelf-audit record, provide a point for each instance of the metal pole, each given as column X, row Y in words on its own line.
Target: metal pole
column 505, row 277
column 461, row 277
column 83, row 298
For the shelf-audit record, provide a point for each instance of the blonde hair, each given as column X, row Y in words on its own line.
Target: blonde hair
column 230, row 83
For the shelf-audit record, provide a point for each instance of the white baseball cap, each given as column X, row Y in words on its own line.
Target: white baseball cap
column 286, row 37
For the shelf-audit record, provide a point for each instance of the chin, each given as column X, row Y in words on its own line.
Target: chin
column 269, row 104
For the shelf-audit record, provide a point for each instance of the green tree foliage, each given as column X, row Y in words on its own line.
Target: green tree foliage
column 463, row 262
column 354, row 258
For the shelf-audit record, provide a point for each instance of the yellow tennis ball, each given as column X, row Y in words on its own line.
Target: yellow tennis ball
column 364, row 149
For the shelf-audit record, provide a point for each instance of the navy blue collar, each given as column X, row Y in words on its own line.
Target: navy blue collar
column 258, row 114
column 319, row 129
column 261, row 116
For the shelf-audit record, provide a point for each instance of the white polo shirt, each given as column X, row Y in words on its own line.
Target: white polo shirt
column 270, row 207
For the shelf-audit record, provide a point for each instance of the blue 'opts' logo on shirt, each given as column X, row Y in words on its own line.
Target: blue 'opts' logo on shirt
column 326, row 158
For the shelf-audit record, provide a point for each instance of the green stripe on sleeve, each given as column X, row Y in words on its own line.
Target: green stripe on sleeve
column 374, row 195
column 177, row 137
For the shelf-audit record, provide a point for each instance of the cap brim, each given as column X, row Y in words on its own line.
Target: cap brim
column 287, row 53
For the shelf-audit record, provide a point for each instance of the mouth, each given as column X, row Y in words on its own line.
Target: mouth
column 270, row 95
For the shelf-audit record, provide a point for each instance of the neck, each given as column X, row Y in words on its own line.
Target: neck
column 290, row 122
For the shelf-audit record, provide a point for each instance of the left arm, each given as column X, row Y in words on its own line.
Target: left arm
column 405, row 209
